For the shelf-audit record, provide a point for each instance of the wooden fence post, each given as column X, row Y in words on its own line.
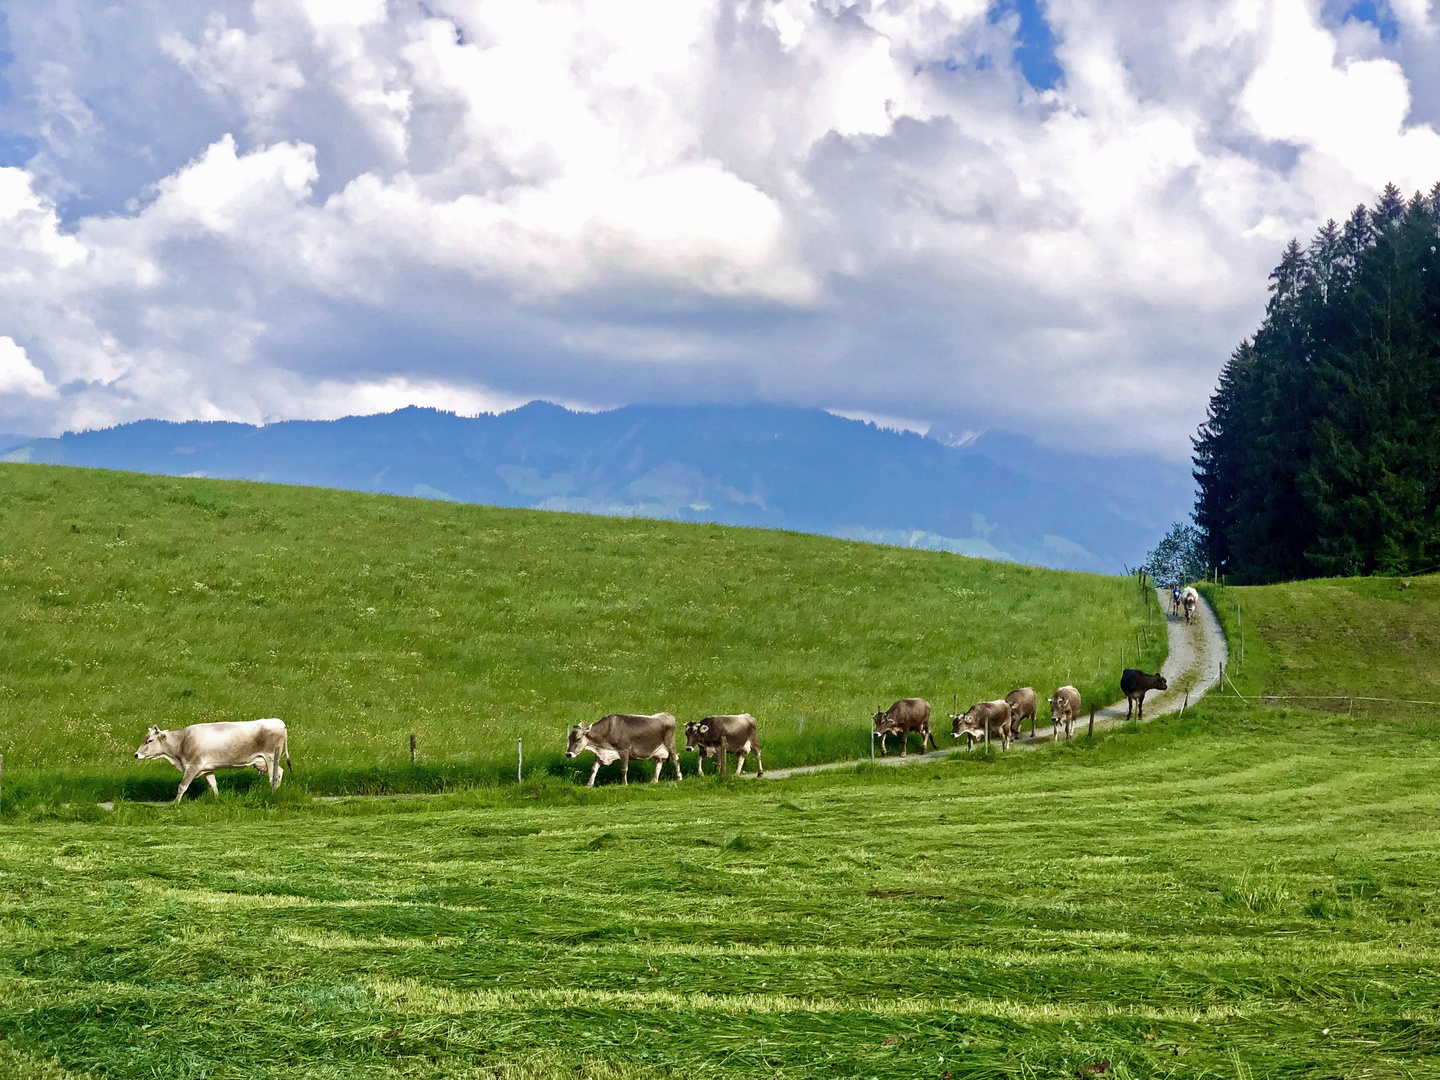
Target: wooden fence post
column 2, row 776
column 724, row 761
column 1092, row 720
column 519, row 761
column 412, row 748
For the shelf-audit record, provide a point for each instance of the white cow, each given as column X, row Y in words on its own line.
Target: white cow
column 200, row 749
column 1191, row 599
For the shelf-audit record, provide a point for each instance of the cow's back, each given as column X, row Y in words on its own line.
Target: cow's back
column 738, row 730
column 911, row 712
column 636, row 734
column 230, row 740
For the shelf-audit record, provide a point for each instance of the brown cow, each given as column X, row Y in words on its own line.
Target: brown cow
column 1065, row 710
column 1135, row 684
column 906, row 715
column 983, row 715
column 622, row 736
column 738, row 732
column 1023, row 704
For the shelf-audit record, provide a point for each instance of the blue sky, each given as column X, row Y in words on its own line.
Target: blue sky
column 1050, row 218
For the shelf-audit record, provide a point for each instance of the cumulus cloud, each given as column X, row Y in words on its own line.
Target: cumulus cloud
column 265, row 209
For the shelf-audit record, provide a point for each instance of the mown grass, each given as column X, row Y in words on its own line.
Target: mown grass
column 1231, row 895
column 130, row 600
column 1337, row 638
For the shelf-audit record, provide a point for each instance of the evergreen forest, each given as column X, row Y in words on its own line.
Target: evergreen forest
column 1318, row 456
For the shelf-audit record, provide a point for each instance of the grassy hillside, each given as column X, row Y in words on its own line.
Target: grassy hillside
column 1228, row 896
column 1337, row 637
column 128, row 600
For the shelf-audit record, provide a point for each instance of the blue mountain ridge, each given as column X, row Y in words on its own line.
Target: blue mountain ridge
column 1001, row 496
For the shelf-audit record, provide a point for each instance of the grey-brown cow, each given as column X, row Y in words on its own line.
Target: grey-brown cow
column 1064, row 710
column 622, row 736
column 993, row 716
column 906, row 715
column 1023, row 703
column 200, row 749
column 1135, row 684
column 738, row 731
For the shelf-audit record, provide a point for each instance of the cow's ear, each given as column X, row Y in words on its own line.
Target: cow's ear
column 704, row 728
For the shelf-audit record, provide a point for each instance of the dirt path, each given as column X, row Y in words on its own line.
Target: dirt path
column 1197, row 650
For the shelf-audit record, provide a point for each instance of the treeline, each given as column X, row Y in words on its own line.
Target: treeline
column 1320, row 452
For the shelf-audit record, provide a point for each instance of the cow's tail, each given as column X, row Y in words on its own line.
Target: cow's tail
column 286, row 748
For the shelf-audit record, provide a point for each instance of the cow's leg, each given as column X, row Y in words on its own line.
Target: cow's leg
column 1129, row 705
column 739, row 763
column 930, row 735
column 593, row 770
column 625, row 769
column 700, row 763
column 675, row 760
column 214, row 787
column 759, row 765
column 187, row 777
column 659, row 764
column 1140, row 709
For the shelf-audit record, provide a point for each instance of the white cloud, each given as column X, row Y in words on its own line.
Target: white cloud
column 861, row 207
column 19, row 376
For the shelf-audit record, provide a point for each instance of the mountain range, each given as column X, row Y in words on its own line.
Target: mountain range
column 996, row 495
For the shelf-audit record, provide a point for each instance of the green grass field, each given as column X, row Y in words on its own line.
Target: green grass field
column 1337, row 639
column 130, row 600
column 1233, row 895
column 1248, row 892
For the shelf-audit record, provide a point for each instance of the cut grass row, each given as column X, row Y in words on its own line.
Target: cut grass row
column 130, row 600
column 1233, row 894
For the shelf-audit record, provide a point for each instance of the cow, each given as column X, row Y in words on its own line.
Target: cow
column 1022, row 706
column 992, row 715
column 1135, row 684
column 1191, row 599
column 1064, row 710
column 200, row 749
column 906, row 715
column 738, row 732
column 622, row 736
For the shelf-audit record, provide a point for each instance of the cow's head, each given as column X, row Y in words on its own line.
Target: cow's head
column 884, row 725
column 1058, row 706
column 156, row 744
column 578, row 743
column 694, row 731
column 964, row 724
column 1160, row 683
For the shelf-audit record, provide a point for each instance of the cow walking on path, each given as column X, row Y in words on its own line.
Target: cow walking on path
column 906, row 715
column 622, row 736
column 1135, row 684
column 1023, row 703
column 1065, row 710
column 1191, row 599
column 983, row 716
column 200, row 749
column 738, row 733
